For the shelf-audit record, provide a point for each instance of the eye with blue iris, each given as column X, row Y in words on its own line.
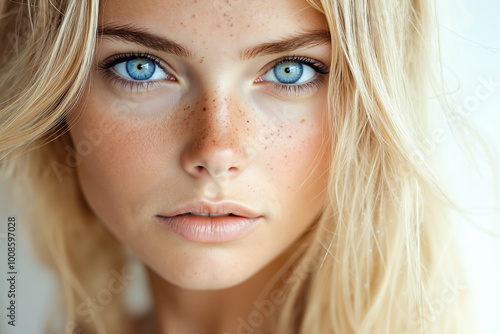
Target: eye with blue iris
column 295, row 76
column 289, row 73
column 135, row 71
column 140, row 69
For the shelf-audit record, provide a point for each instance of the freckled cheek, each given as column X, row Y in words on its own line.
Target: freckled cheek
column 298, row 152
column 133, row 146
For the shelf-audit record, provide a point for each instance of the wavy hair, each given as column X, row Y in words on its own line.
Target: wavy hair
column 380, row 258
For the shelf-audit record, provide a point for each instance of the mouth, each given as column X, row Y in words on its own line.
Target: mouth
column 207, row 222
column 208, row 214
column 210, row 209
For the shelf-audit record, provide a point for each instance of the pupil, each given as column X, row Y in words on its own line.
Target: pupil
column 140, row 66
column 288, row 70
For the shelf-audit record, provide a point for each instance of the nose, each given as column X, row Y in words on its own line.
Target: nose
column 216, row 146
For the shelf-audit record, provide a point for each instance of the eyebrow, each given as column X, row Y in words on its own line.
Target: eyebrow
column 133, row 34
column 303, row 40
column 129, row 33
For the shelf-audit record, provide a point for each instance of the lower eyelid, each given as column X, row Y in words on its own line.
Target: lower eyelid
column 299, row 89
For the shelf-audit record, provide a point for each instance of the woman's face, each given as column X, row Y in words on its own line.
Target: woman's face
column 206, row 107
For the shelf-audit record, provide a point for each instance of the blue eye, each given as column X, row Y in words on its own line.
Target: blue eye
column 140, row 69
column 290, row 72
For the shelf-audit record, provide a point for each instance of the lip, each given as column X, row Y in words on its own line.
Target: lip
column 220, row 208
column 203, row 229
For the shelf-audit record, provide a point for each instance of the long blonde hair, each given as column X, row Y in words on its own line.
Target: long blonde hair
column 380, row 257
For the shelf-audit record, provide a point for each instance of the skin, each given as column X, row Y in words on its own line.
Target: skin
column 218, row 131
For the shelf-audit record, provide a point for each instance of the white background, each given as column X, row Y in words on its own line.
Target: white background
column 472, row 55
column 471, row 52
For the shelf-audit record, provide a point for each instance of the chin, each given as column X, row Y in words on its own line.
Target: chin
column 217, row 278
column 204, row 270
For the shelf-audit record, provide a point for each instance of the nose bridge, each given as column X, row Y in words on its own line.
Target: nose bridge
column 217, row 123
column 216, row 145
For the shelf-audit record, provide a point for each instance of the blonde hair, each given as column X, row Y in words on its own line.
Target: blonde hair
column 379, row 259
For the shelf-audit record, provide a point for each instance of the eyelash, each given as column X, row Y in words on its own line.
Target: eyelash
column 289, row 90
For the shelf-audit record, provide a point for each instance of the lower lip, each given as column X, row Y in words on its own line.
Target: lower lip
column 209, row 229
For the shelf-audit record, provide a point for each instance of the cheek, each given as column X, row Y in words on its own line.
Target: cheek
column 299, row 151
column 296, row 165
column 294, row 140
column 123, row 157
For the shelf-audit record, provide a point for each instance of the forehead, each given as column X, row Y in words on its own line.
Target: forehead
column 216, row 23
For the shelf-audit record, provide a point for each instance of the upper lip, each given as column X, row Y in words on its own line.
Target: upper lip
column 220, row 208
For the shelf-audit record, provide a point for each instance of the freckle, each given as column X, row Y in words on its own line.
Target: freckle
column 265, row 148
column 248, row 121
column 231, row 24
column 248, row 26
column 281, row 126
column 286, row 156
column 204, row 109
column 182, row 22
column 193, row 16
column 289, row 136
column 231, row 35
column 302, row 121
